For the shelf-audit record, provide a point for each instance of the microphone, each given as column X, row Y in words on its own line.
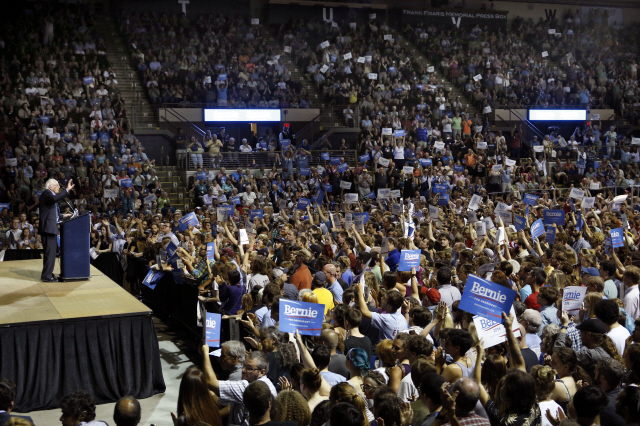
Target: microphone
column 75, row 212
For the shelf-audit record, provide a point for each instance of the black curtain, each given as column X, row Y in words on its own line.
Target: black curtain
column 22, row 254
column 109, row 357
column 179, row 301
column 109, row 264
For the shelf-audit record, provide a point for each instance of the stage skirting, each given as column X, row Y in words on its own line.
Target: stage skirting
column 56, row 338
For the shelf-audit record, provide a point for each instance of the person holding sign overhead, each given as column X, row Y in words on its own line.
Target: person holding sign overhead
column 389, row 324
column 49, row 219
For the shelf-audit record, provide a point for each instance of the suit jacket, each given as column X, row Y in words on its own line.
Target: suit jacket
column 5, row 417
column 48, row 217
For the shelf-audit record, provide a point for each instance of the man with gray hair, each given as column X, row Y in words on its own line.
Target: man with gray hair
column 49, row 219
column 531, row 320
column 232, row 357
column 254, row 368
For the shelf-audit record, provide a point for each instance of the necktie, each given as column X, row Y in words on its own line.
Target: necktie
column 57, row 212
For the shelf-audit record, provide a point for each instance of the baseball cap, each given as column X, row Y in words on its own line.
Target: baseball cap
column 515, row 264
column 320, row 277
column 592, row 325
column 278, row 272
column 486, row 268
column 263, row 252
column 315, row 248
column 591, row 271
column 431, row 293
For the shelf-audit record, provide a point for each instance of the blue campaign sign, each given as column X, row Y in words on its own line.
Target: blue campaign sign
column 537, row 229
column 303, row 203
column 579, row 222
column 236, row 201
column 213, row 324
column 426, row 162
column 617, row 237
column 87, row 80
column 327, row 187
column 186, row 220
column 302, row 316
column 88, row 158
column 371, row 195
column 553, row 216
column 519, row 222
column 334, row 161
column 173, row 261
column 487, row 299
column 211, row 252
column 4, row 206
column 222, row 77
column 256, row 213
column 551, row 234
column 398, row 133
column 317, row 199
column 364, row 216
column 439, row 188
column 409, row 259
column 305, row 171
column 152, row 278
column 443, row 199
column 343, row 168
column 530, row 199
column 324, row 156
column 201, row 176
column 284, row 143
column 126, row 183
column 365, row 158
column 457, row 168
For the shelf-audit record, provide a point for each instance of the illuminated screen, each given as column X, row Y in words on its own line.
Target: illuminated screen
column 248, row 115
column 557, row 114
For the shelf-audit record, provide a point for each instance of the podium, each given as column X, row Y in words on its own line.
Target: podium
column 75, row 243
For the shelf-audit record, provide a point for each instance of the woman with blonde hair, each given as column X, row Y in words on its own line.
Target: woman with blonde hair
column 291, row 406
column 557, row 280
column 345, row 392
column 545, row 382
column 589, row 303
column 310, row 297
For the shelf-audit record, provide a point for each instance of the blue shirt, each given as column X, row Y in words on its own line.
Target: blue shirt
column 336, row 290
column 393, row 259
column 525, row 292
column 347, row 276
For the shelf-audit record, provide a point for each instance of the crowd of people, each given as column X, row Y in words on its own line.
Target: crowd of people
column 395, row 348
column 206, row 59
column 544, row 63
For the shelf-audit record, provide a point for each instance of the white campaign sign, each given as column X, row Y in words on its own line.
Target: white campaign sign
column 345, row 185
column 407, row 170
column 475, row 202
column 395, row 193
column 396, row 209
column 576, row 193
column 351, row 198
column 493, row 333
column 384, row 162
column 384, row 193
column 572, row 299
column 244, row 239
column 434, row 212
column 588, row 202
column 481, row 229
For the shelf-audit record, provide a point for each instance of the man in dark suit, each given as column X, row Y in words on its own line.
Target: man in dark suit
column 49, row 218
column 7, row 398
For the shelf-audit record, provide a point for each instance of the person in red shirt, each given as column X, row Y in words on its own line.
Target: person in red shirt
column 536, row 279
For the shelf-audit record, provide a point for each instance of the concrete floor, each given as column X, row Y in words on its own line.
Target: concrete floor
column 176, row 354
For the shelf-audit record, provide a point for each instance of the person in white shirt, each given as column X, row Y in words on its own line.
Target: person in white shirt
column 631, row 278
column 607, row 311
column 245, row 147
